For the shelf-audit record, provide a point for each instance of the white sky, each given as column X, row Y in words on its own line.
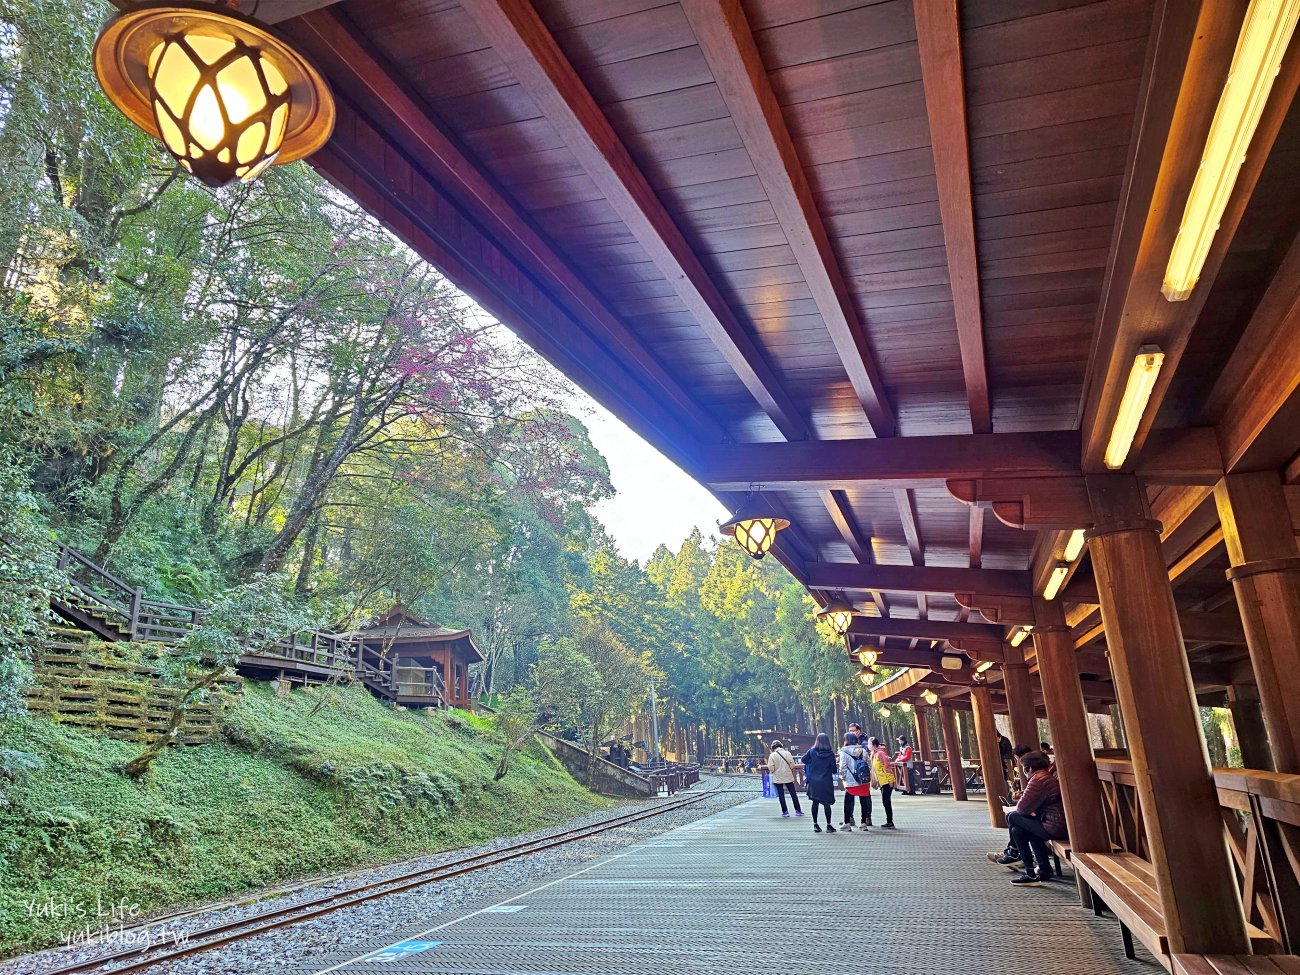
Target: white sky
column 655, row 501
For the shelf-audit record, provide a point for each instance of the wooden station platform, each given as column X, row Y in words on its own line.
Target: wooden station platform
column 745, row 891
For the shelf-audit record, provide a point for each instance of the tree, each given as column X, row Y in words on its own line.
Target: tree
column 516, row 722
column 243, row 619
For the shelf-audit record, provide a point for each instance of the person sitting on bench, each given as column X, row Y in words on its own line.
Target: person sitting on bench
column 1039, row 817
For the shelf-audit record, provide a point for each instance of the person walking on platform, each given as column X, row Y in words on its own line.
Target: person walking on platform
column 780, row 767
column 882, row 774
column 855, row 773
column 819, row 779
column 904, row 758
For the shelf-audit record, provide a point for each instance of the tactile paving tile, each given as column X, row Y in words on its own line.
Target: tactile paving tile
column 748, row 892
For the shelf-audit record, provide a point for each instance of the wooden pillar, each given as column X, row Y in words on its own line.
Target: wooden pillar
column 1020, row 698
column 1248, row 723
column 1067, row 715
column 986, row 733
column 1194, row 874
column 1265, row 574
column 952, row 752
column 923, row 735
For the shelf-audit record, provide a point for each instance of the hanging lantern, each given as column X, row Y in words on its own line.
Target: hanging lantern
column 866, row 675
column 754, row 529
column 868, row 657
column 884, row 712
column 839, row 616
column 226, row 97
column 930, row 696
column 905, row 707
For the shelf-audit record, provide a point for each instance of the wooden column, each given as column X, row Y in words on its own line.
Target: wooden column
column 1248, row 723
column 986, row 733
column 1067, row 715
column 1265, row 574
column 1020, row 698
column 1180, row 807
column 952, row 752
column 923, row 735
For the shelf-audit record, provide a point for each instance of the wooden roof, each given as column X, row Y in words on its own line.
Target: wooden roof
column 759, row 230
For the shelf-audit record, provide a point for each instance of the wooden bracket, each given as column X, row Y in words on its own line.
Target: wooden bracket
column 1006, row 610
column 1029, row 502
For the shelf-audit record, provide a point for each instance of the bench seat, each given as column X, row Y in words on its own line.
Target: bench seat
column 1126, row 885
column 1236, row 965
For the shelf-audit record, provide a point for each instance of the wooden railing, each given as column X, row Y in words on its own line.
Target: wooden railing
column 156, row 621
column 1261, row 819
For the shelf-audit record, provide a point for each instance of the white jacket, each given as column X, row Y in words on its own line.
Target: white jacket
column 849, row 755
column 780, row 763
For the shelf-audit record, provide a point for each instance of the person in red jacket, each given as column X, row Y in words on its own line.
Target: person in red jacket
column 1039, row 817
column 904, row 758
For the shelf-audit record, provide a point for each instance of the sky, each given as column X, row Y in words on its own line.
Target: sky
column 655, row 501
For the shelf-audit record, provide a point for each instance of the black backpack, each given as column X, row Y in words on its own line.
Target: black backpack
column 862, row 770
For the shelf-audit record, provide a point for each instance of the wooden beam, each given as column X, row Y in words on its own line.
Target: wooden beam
column 917, row 579
column 838, row 464
column 1190, row 50
column 522, row 40
column 1256, row 402
column 1029, row 502
column 724, row 36
column 938, row 40
column 275, row 11
column 922, row 629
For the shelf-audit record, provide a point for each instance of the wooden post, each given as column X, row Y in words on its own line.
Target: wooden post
column 1248, row 722
column 952, row 751
column 922, row 735
column 1020, row 698
column 986, row 733
column 1265, row 574
column 1194, row 874
column 1067, row 715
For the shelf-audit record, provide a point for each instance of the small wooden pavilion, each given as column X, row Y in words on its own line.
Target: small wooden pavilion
column 408, row 661
column 996, row 302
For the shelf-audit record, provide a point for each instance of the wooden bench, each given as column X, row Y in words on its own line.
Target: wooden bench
column 1126, row 885
column 1235, row 965
column 1060, row 851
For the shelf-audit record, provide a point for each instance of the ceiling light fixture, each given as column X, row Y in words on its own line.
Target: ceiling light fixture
column 839, row 616
column 1263, row 41
column 226, row 97
column 754, row 528
column 1056, row 580
column 1137, row 392
column 1074, row 545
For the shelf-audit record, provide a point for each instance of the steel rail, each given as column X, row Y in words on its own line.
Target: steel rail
column 228, row 932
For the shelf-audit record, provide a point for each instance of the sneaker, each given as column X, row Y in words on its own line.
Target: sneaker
column 1026, row 880
column 816, row 828
column 889, row 826
column 867, row 824
column 1009, row 861
column 864, row 828
column 831, row 829
column 996, row 856
column 798, row 812
column 847, row 827
column 785, row 815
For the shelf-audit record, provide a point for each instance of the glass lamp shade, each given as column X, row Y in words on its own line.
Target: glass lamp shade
column 226, row 98
column 866, row 676
column 868, row 658
column 905, row 707
column 884, row 712
column 839, row 616
column 930, row 697
column 755, row 531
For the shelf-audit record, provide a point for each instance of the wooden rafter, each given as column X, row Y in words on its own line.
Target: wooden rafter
column 725, row 38
column 1191, row 47
column 522, row 40
column 924, row 629
column 938, row 38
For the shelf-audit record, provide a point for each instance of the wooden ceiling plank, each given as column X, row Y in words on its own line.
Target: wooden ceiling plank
column 841, row 511
column 923, row 629
column 1191, row 47
column 728, row 44
column 523, row 41
column 938, row 36
column 276, row 11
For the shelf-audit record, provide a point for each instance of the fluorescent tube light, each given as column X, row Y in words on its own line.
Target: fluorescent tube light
column 1137, row 392
column 1074, row 545
column 1055, row 580
column 1265, row 34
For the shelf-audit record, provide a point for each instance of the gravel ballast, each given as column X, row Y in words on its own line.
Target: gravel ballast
column 365, row 924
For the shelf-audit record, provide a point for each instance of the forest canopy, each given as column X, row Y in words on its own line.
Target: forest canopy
column 201, row 388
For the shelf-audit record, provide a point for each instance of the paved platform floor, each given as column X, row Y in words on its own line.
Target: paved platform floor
column 745, row 891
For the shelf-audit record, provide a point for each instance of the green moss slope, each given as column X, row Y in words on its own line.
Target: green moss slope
column 290, row 793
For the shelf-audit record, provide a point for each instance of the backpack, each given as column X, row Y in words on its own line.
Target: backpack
column 861, row 770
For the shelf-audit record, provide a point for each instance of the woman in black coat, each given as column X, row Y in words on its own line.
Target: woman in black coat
column 819, row 766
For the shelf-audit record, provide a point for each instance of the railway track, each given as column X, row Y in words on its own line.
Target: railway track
column 139, row 958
